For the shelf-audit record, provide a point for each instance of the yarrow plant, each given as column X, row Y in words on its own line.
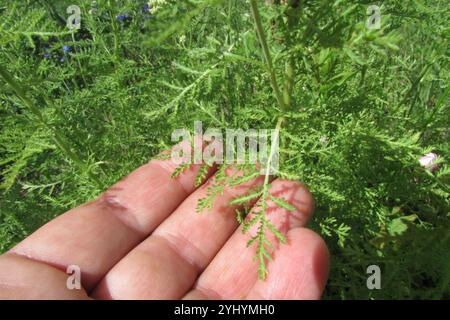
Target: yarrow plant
column 356, row 109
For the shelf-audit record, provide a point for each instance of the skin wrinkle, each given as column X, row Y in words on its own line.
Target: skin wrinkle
column 55, row 265
column 174, row 242
column 23, row 254
column 122, row 211
column 168, row 167
column 208, row 293
column 32, row 262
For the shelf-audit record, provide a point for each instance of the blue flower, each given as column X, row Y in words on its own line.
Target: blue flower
column 122, row 17
column 146, row 8
column 67, row 48
column 46, row 55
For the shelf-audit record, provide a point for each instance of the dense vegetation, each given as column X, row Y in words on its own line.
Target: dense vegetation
column 79, row 110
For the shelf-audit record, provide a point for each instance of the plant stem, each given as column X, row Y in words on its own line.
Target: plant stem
column 278, row 127
column 263, row 42
column 78, row 61
column 292, row 19
column 114, row 27
column 21, row 93
column 58, row 138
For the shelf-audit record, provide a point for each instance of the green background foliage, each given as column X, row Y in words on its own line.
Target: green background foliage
column 365, row 106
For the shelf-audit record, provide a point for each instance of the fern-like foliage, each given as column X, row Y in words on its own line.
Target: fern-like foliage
column 232, row 176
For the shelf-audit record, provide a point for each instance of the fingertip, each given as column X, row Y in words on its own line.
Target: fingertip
column 308, row 248
column 299, row 269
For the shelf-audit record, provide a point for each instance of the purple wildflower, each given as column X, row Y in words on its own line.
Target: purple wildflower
column 122, row 17
column 67, row 48
column 146, row 8
column 46, row 55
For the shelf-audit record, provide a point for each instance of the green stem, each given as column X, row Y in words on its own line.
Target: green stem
column 292, row 20
column 267, row 57
column 115, row 36
column 288, row 82
column 58, row 138
column 79, row 63
column 21, row 93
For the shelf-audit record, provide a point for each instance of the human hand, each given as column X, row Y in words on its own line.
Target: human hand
column 143, row 239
